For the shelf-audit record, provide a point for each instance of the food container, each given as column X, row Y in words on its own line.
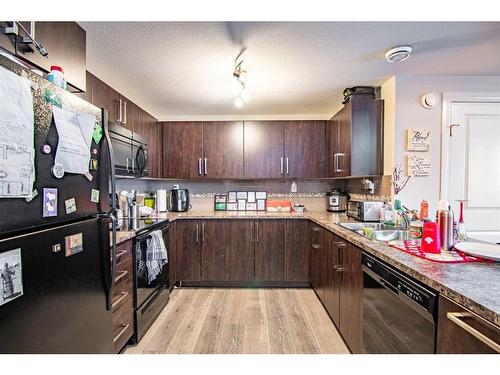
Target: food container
column 278, row 206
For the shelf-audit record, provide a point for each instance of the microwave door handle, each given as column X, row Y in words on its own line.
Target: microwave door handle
column 133, row 165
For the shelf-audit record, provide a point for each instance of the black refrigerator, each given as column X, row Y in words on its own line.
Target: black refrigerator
column 57, row 272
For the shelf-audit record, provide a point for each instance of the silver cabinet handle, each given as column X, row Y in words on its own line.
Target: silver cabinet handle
column 287, row 165
column 456, row 317
column 206, row 165
column 125, row 327
column 124, row 112
column 121, row 275
column 197, row 233
column 281, row 165
column 199, row 167
column 336, row 162
column 251, row 231
column 120, row 116
column 123, row 295
column 257, row 232
column 203, row 232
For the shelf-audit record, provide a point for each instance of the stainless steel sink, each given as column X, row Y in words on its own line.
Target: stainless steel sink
column 390, row 235
column 380, row 231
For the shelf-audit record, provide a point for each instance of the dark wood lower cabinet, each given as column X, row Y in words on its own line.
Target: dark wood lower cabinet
column 188, row 249
column 213, row 251
column 269, row 250
column 333, row 277
column 297, row 250
column 317, row 260
column 351, row 296
column 460, row 331
column 240, row 250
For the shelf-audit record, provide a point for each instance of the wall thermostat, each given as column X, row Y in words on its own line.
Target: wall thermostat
column 430, row 100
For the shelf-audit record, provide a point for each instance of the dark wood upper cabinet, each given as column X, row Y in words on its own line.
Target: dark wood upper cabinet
column 182, row 149
column 104, row 96
column 305, row 149
column 65, row 43
column 223, row 149
column 240, row 250
column 269, row 250
column 297, row 250
column 150, row 129
column 460, row 331
column 264, row 149
column 355, row 139
column 213, row 242
column 188, row 250
column 132, row 119
column 7, row 42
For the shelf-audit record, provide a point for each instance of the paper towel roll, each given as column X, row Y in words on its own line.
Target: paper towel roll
column 161, row 200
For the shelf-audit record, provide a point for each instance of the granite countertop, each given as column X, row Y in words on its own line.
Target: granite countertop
column 473, row 285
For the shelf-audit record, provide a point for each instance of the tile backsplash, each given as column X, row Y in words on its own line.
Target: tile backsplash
column 310, row 193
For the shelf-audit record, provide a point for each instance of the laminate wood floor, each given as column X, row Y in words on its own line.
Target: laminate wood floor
column 242, row 321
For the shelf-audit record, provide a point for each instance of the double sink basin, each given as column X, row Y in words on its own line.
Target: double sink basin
column 378, row 231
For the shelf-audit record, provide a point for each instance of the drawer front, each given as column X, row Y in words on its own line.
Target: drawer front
column 123, row 265
column 123, row 324
column 121, row 291
column 123, row 251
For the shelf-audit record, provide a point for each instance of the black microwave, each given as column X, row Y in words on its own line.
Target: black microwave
column 130, row 151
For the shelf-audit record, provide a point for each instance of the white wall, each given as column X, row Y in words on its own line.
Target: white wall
column 402, row 96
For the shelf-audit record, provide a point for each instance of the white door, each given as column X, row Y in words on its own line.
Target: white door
column 474, row 172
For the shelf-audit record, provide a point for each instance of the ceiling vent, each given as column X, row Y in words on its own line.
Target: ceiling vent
column 398, row 54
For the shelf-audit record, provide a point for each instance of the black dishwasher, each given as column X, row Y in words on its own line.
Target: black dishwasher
column 399, row 315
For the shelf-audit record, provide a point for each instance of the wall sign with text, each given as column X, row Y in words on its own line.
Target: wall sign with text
column 419, row 140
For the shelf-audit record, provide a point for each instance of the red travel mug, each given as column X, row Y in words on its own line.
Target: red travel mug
column 431, row 242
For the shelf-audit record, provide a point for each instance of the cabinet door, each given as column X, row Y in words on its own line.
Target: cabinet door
column 317, row 260
column 240, row 250
column 188, row 246
column 103, row 96
column 223, row 149
column 264, row 149
column 297, row 250
column 172, row 254
column 182, row 149
column 131, row 120
column 342, row 150
column 150, row 130
column 333, row 273
column 87, row 94
column 460, row 331
column 351, row 297
column 65, row 43
column 8, row 42
column 305, row 149
column 269, row 250
column 213, row 250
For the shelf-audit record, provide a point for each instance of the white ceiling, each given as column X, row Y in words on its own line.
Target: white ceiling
column 184, row 70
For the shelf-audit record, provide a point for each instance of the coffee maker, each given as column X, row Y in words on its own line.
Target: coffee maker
column 179, row 199
column 336, row 200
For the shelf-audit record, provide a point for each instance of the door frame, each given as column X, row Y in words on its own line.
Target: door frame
column 448, row 98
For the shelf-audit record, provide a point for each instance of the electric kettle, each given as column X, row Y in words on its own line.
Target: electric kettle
column 179, row 199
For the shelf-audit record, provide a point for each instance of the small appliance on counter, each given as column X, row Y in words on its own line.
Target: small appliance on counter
column 364, row 210
column 179, row 199
column 336, row 200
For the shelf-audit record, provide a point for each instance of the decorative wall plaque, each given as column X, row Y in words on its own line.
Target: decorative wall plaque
column 418, row 140
column 418, row 166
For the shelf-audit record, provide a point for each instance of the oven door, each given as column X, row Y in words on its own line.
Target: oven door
column 390, row 325
column 143, row 287
column 140, row 159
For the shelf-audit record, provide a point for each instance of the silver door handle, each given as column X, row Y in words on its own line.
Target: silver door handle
column 206, row 166
column 251, row 231
column 203, row 232
column 133, row 165
column 456, row 317
column 197, row 233
column 257, row 232
column 124, row 112
column 199, row 167
column 336, row 162
column 287, row 165
column 127, row 164
column 281, row 165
